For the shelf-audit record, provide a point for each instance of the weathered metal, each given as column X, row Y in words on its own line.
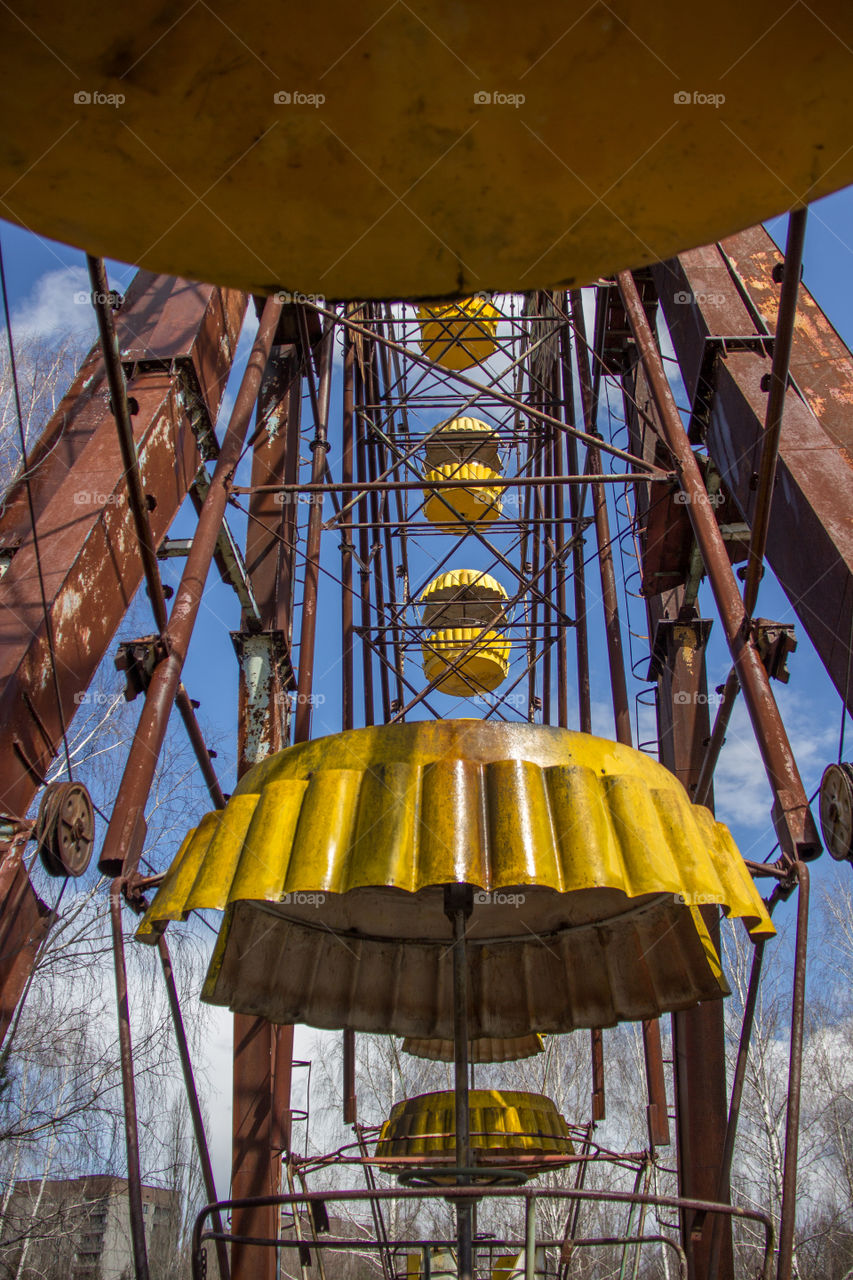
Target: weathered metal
column 458, row 905
column 128, row 1089
column 499, row 1195
column 192, row 1099
column 24, row 922
column 505, row 1124
column 319, row 447
column 346, row 820
column 792, row 816
column 65, row 829
column 121, row 848
column 776, row 396
column 720, row 304
column 262, row 1058
column 788, row 1213
column 82, row 517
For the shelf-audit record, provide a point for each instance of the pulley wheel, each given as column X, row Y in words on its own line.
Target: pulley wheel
column 836, row 810
column 65, row 829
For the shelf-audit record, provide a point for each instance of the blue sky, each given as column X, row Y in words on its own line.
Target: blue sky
column 43, row 278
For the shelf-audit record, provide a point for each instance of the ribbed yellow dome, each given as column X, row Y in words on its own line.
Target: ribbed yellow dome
column 588, row 860
column 482, row 657
column 459, row 334
column 445, row 507
column 475, row 583
column 508, row 1128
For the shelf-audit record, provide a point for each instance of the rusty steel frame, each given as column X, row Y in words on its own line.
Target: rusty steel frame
column 653, row 1052
column 373, row 470
column 792, row 816
column 529, row 1195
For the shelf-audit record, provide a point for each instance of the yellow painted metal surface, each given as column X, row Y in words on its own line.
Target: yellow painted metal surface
column 482, row 657
column 463, row 439
column 589, row 861
column 455, row 603
column 486, row 1049
column 463, row 585
column 478, row 505
column 458, row 335
column 435, row 150
column 505, row 1124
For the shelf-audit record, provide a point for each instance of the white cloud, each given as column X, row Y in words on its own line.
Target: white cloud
column 54, row 308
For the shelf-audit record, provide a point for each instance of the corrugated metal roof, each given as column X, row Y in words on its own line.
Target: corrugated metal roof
column 590, row 862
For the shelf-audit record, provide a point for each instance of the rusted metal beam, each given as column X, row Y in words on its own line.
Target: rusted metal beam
column 122, row 843
column 24, row 922
column 791, row 814
column 653, row 1052
column 721, row 304
column 263, row 1053
column 128, row 1089
column 178, row 340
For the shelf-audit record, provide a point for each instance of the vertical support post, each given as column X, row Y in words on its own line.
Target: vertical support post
column 529, row 1238
column 458, row 904
column 657, row 1115
column 128, row 1088
column 615, row 651
column 679, row 640
column 192, row 1100
column 263, row 1053
column 795, row 1076
column 319, row 447
column 347, row 664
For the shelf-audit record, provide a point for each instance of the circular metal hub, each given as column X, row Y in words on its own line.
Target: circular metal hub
column 65, row 829
column 836, row 810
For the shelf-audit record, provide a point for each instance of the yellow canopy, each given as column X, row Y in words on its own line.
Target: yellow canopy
column 589, row 860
